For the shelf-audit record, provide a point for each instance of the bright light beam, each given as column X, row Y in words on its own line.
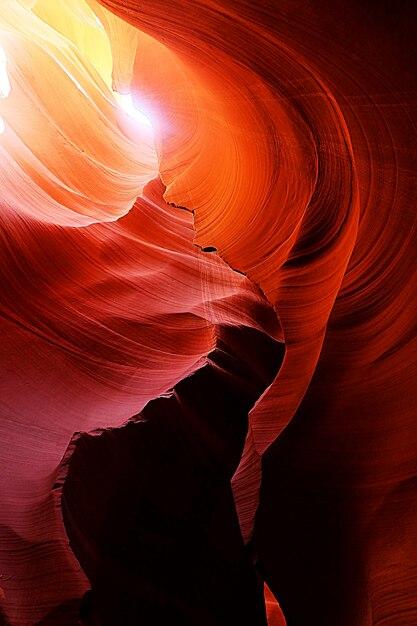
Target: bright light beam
column 4, row 84
column 4, row 79
column 127, row 105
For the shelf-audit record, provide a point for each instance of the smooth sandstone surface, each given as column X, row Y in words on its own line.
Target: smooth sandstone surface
column 266, row 217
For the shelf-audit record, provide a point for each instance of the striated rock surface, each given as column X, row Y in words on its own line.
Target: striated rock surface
column 287, row 129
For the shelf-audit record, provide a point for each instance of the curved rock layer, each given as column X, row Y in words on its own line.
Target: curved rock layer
column 312, row 108
column 288, row 129
column 108, row 160
column 96, row 322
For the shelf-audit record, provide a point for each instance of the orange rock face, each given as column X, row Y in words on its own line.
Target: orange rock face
column 240, row 276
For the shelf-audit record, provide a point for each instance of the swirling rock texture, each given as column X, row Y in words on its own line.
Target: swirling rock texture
column 203, row 404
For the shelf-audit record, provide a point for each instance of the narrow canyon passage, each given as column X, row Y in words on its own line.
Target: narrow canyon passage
column 207, row 312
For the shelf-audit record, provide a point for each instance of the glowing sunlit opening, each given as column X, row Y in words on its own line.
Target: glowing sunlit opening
column 4, row 84
column 127, row 105
column 4, row 79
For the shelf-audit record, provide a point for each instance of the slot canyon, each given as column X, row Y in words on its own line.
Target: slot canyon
column 208, row 295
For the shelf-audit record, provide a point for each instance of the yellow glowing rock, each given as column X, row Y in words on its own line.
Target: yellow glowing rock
column 70, row 154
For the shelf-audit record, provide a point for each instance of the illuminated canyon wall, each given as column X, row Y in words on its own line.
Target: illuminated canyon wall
column 208, row 295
